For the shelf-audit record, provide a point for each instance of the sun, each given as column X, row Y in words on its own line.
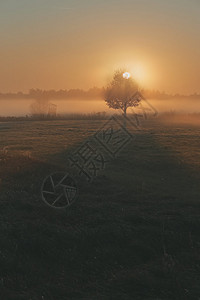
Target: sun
column 126, row 75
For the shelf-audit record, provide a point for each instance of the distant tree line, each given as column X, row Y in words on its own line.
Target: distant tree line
column 53, row 94
column 92, row 93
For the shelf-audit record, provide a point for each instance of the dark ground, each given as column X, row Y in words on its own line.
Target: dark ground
column 133, row 233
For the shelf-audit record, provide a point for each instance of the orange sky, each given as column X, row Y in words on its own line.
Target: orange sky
column 63, row 44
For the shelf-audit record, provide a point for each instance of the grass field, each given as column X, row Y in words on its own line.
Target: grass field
column 133, row 233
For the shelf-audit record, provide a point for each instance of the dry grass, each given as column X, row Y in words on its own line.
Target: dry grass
column 133, row 233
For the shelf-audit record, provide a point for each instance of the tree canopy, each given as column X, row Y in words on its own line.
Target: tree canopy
column 122, row 92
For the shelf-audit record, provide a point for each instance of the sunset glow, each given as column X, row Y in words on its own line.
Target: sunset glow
column 51, row 45
column 140, row 74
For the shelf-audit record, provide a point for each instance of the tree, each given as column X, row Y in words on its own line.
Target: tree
column 39, row 108
column 122, row 92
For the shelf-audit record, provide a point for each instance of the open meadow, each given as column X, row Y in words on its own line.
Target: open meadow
column 133, row 232
column 100, row 150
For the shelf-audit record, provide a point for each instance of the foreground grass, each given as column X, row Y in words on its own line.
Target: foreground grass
column 133, row 233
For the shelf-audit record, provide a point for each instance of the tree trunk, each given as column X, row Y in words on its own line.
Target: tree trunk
column 125, row 108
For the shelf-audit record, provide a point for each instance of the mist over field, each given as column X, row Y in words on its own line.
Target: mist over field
column 99, row 150
column 21, row 107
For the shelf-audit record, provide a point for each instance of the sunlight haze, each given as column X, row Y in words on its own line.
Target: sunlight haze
column 69, row 44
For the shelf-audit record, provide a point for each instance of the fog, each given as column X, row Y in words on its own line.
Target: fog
column 21, row 107
column 177, row 105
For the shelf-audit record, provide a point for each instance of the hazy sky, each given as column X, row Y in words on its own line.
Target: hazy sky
column 62, row 44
